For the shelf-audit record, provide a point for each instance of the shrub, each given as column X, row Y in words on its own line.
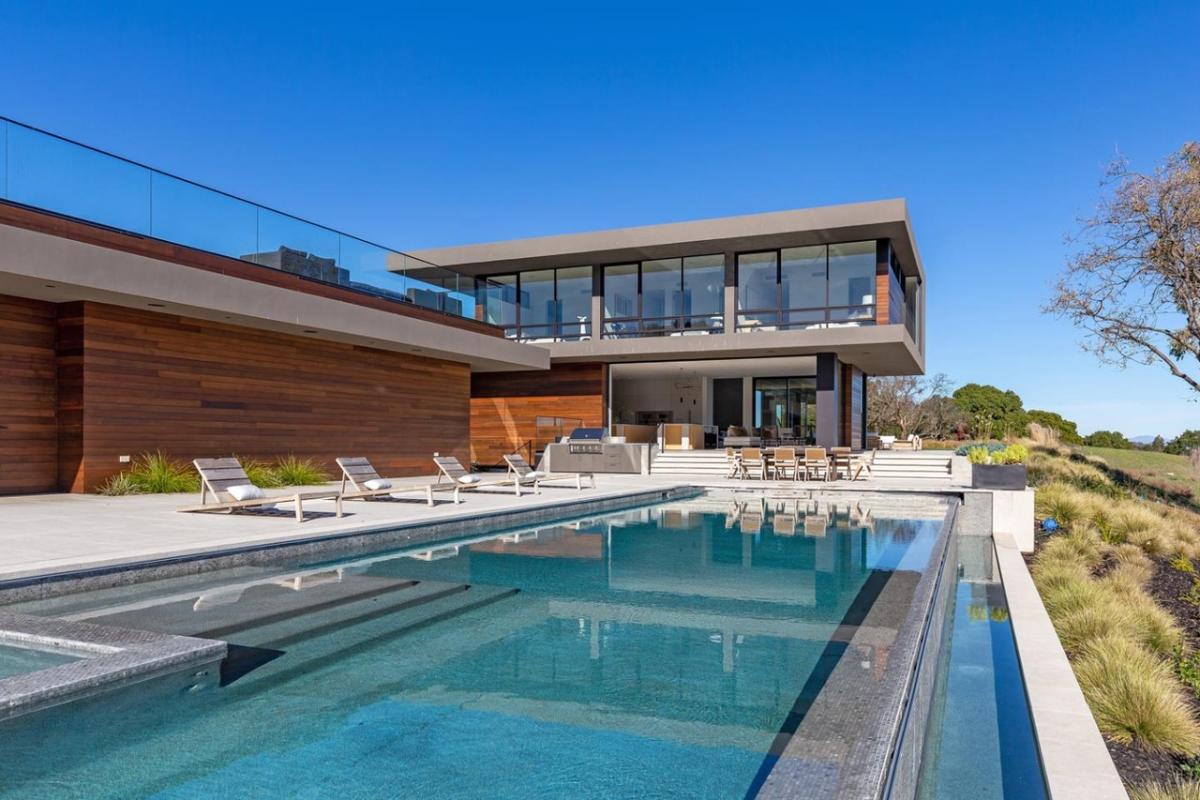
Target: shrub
column 979, row 455
column 119, row 484
column 293, row 471
column 156, row 473
column 1013, row 454
column 1133, row 697
column 260, row 473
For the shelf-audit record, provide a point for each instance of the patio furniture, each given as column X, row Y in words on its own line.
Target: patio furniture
column 816, row 461
column 460, row 479
column 816, row 525
column 913, row 442
column 367, row 484
column 886, row 442
column 752, row 461
column 232, row 490
column 783, row 459
column 839, row 462
column 860, row 463
column 522, row 472
column 736, row 468
column 784, row 524
column 873, row 441
column 737, row 436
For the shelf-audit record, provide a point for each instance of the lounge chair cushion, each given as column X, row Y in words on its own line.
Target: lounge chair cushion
column 375, row 484
column 468, row 479
column 246, row 491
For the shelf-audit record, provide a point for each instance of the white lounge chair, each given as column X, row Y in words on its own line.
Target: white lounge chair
column 232, row 490
column 519, row 468
column 461, row 480
column 366, row 484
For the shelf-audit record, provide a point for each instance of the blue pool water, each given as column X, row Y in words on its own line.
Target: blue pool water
column 20, row 660
column 648, row 653
column 981, row 743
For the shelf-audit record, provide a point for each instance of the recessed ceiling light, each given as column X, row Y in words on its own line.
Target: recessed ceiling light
column 309, row 330
column 155, row 305
column 51, row 286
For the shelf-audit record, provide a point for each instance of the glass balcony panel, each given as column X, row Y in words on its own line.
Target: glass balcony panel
column 852, row 316
column 621, row 329
column 374, row 269
column 811, row 318
column 758, row 321
column 299, row 247
column 3, row 159
column 661, row 288
column 498, row 295
column 191, row 215
column 538, row 333
column 73, row 180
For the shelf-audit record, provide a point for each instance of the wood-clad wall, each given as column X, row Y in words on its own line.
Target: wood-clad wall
column 28, row 431
column 133, row 381
column 853, row 387
column 505, row 405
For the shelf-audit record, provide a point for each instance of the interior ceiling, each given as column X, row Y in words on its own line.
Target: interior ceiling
column 718, row 368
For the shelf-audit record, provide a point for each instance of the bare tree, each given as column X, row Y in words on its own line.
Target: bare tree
column 901, row 403
column 1135, row 286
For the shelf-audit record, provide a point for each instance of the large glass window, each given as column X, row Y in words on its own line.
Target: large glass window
column 541, row 304
column 852, row 280
column 575, row 302
column 661, row 293
column 499, row 299
column 807, row 287
column 786, row 408
column 666, row 296
column 704, row 292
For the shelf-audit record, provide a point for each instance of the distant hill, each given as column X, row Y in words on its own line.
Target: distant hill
column 1143, row 439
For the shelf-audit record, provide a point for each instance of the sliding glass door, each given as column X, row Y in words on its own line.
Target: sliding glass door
column 787, row 403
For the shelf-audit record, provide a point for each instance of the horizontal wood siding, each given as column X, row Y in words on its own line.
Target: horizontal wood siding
column 505, row 405
column 141, row 381
column 28, row 428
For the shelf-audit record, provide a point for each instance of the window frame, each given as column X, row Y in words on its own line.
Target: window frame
column 828, row 316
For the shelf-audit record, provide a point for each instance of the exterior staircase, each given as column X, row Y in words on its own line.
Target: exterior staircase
column 709, row 463
column 913, row 464
column 932, row 465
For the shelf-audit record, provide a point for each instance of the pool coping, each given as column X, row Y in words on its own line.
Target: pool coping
column 109, row 657
column 367, row 537
column 1075, row 760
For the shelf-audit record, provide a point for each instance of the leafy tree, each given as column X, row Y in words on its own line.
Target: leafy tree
column 1158, row 445
column 1135, row 287
column 943, row 419
column 991, row 412
column 1184, row 443
column 1068, row 431
column 1113, row 439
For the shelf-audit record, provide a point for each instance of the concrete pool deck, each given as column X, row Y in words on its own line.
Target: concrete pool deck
column 52, row 533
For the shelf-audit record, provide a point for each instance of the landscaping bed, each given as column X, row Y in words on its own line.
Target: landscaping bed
column 1120, row 582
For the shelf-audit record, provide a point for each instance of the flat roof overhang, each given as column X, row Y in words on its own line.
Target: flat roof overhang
column 881, row 219
column 875, row 349
column 43, row 266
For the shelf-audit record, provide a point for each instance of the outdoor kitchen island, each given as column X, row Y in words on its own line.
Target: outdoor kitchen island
column 592, row 450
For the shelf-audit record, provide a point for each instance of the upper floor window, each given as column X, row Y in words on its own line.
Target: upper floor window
column 664, row 297
column 548, row 304
column 813, row 286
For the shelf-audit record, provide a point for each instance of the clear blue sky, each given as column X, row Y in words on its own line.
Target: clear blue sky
column 445, row 123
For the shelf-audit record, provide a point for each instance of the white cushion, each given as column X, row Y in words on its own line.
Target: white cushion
column 468, row 479
column 375, row 484
column 246, row 491
column 535, row 475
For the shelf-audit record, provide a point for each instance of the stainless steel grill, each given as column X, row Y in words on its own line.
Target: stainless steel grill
column 586, row 440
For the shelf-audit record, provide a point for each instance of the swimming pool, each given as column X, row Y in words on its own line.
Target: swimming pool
column 673, row 650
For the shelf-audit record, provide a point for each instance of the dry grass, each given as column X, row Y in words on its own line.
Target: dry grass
column 1175, row 790
column 1092, row 577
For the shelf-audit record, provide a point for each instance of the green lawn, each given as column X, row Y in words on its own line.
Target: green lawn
column 1143, row 464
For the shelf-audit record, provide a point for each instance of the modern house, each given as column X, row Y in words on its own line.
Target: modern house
column 769, row 321
column 142, row 312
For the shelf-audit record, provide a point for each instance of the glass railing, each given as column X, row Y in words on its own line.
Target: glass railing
column 48, row 172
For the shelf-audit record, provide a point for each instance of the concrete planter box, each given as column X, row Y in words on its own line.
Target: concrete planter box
column 1010, row 477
